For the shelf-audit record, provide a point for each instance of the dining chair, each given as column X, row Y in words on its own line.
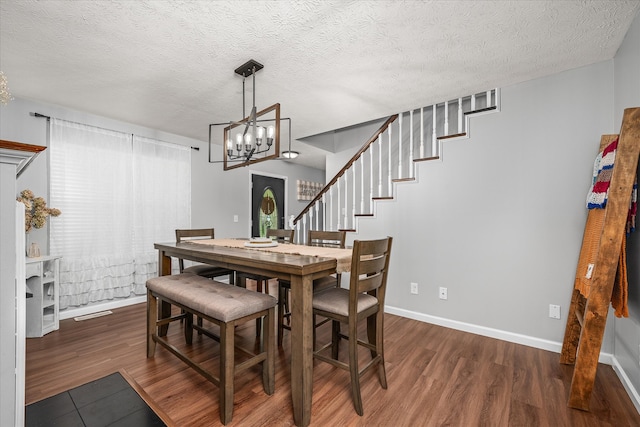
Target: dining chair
column 279, row 235
column 363, row 300
column 334, row 239
column 204, row 270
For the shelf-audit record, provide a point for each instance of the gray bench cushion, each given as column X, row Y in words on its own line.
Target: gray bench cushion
column 215, row 299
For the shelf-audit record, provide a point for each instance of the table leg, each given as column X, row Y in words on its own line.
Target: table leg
column 164, row 269
column 301, row 349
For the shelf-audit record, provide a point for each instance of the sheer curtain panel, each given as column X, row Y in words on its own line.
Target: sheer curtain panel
column 91, row 174
column 162, row 194
column 118, row 195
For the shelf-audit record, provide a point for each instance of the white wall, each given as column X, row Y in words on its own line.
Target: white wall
column 499, row 221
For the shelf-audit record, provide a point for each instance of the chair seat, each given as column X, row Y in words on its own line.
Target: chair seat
column 207, row 270
column 336, row 301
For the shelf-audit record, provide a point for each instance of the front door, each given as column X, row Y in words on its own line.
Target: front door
column 267, row 204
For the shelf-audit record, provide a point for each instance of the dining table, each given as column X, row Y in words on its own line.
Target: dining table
column 300, row 265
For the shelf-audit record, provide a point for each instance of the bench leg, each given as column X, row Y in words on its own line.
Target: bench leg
column 188, row 328
column 227, row 331
column 152, row 316
column 269, row 365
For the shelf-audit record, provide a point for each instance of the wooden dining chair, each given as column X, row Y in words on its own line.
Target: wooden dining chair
column 363, row 300
column 204, row 270
column 334, row 239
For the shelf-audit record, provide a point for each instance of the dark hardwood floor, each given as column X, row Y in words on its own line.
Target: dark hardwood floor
column 436, row 376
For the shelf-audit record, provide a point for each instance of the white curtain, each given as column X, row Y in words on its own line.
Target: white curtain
column 113, row 193
column 162, row 194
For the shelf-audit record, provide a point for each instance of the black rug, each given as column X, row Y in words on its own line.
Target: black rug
column 108, row 401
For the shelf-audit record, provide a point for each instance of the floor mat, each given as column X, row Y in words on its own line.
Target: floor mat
column 110, row 401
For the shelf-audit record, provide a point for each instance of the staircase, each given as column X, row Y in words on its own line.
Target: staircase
column 390, row 157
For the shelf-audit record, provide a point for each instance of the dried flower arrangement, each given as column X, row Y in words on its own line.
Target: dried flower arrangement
column 35, row 210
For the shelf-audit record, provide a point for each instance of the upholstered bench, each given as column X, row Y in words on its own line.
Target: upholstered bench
column 224, row 305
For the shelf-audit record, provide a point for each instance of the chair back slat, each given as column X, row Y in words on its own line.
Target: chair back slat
column 190, row 234
column 369, row 267
column 204, row 233
column 281, row 235
column 335, row 239
column 370, row 283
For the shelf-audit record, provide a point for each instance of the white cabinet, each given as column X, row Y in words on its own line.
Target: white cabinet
column 43, row 279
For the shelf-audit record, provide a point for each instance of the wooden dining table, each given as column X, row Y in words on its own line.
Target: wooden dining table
column 299, row 270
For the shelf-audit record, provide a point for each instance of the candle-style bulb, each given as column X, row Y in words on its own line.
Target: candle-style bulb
column 247, row 142
column 239, row 142
column 259, row 135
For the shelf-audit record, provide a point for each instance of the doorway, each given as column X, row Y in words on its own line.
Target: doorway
column 267, row 204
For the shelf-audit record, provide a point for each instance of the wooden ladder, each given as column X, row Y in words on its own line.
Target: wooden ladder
column 588, row 316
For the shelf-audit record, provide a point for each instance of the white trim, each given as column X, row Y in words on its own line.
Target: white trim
column 90, row 309
column 530, row 341
column 626, row 382
column 286, row 194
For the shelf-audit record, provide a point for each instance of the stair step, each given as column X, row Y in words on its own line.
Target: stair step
column 347, row 229
column 424, row 159
column 382, row 198
column 364, row 214
column 402, row 179
column 454, row 135
column 481, row 110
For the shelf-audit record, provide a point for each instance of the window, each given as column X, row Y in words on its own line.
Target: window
column 118, row 194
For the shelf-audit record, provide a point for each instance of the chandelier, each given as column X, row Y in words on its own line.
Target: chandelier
column 256, row 137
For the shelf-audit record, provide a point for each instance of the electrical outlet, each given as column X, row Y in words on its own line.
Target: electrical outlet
column 554, row 311
column 235, row 218
column 442, row 293
column 414, row 288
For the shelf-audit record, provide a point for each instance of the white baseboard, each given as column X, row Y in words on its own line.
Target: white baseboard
column 94, row 308
column 556, row 347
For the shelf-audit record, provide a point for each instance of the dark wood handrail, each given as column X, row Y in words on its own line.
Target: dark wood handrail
column 355, row 157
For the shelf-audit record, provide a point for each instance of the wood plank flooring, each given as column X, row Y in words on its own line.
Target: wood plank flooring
column 436, row 376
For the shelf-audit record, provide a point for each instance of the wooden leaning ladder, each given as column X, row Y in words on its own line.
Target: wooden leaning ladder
column 587, row 317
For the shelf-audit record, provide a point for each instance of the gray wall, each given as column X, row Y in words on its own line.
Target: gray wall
column 499, row 221
column 627, row 94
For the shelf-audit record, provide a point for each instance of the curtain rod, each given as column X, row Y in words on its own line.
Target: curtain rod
column 34, row 114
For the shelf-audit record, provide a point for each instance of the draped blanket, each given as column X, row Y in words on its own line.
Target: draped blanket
column 596, row 202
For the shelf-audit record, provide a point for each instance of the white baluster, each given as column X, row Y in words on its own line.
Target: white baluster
column 353, row 198
column 346, row 199
column 446, row 118
column 371, row 177
column 331, row 210
column 304, row 224
column 324, row 211
column 410, row 163
column 317, row 215
column 434, row 137
column 389, row 194
column 422, row 132
column 400, row 148
column 460, row 125
column 473, row 103
column 310, row 213
column 362, row 183
column 488, row 99
column 338, row 211
column 380, row 165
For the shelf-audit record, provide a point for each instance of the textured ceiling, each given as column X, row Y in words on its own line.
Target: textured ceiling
column 330, row 64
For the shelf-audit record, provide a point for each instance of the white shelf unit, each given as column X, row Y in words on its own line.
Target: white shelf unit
column 43, row 279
